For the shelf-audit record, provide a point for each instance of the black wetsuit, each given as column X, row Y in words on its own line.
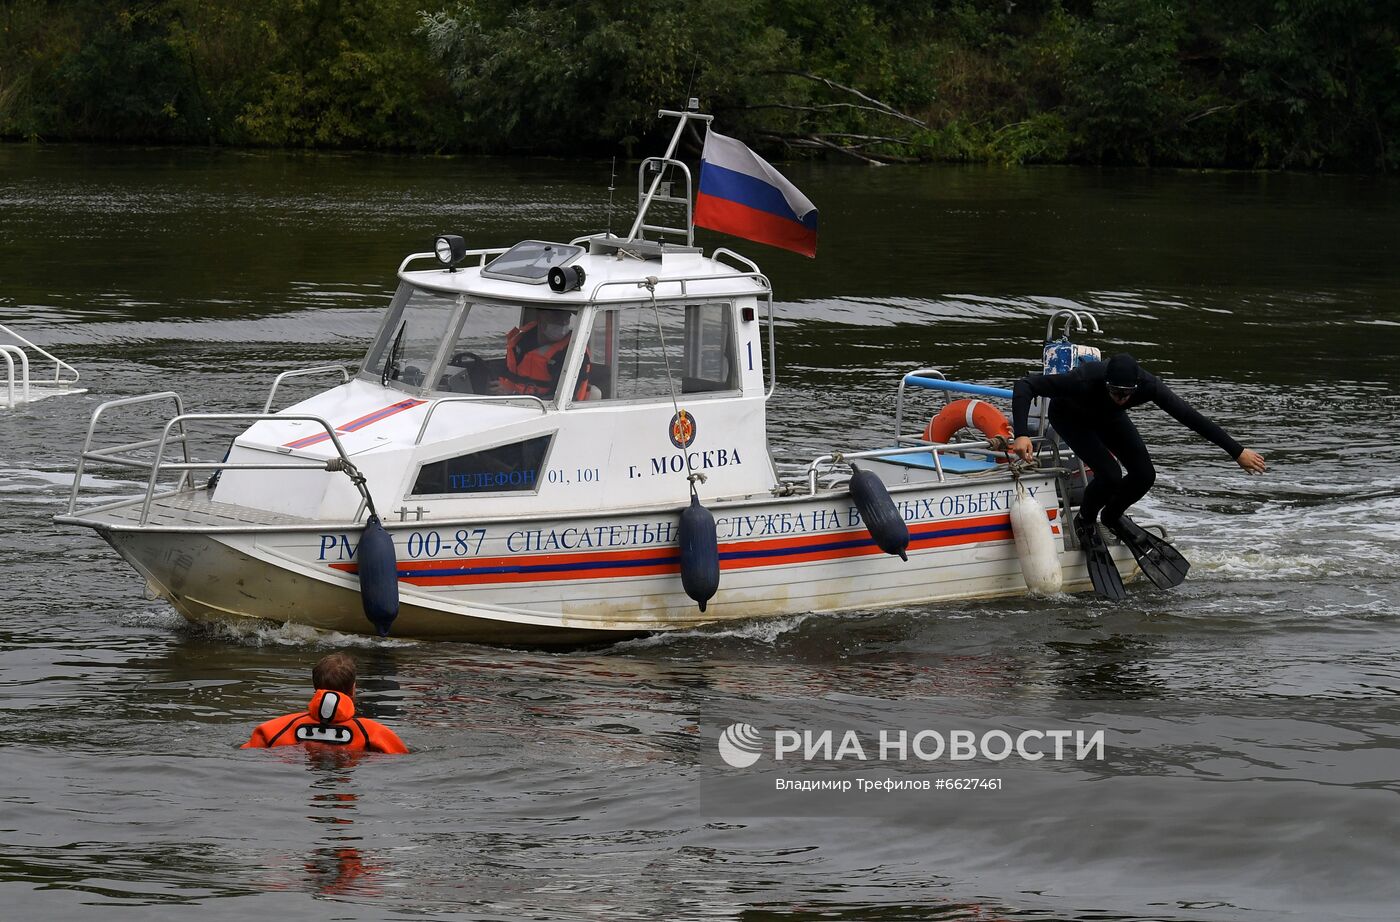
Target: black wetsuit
column 1087, row 418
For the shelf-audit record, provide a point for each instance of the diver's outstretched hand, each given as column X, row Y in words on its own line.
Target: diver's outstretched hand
column 1252, row 461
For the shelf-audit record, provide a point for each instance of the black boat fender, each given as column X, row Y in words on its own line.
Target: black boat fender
column 379, row 576
column 879, row 513
column 699, row 552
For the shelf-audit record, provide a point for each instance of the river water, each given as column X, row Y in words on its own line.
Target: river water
column 1251, row 717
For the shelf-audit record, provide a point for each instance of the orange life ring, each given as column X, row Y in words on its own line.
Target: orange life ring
column 970, row 414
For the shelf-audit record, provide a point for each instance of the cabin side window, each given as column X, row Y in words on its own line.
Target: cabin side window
column 642, row 352
column 514, row 468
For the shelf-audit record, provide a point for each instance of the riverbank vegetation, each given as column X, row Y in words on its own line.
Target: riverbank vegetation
column 1311, row 84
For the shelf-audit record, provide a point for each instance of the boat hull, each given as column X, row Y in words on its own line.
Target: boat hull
column 582, row 579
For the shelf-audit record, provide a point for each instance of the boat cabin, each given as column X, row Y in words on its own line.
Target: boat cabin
column 452, row 332
column 596, row 374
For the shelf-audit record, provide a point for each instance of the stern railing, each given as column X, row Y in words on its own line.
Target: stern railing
column 1048, row 453
column 919, row 446
column 1050, row 459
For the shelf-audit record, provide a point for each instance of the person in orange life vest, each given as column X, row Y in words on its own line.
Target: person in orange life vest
column 535, row 357
column 330, row 719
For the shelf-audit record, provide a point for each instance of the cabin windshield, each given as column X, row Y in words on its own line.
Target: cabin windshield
column 411, row 337
column 451, row 344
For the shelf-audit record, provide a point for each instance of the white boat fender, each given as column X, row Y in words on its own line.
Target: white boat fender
column 699, row 552
column 379, row 576
column 879, row 513
column 1035, row 543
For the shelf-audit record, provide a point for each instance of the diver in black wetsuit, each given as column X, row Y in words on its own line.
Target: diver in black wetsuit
column 1089, row 409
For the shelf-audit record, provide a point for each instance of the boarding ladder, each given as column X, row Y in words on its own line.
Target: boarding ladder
column 20, row 387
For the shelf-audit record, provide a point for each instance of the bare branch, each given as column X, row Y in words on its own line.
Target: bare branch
column 827, row 106
column 1211, row 111
column 817, row 142
column 867, row 138
column 832, row 84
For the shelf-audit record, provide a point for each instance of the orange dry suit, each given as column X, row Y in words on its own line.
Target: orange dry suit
column 533, row 367
column 329, row 720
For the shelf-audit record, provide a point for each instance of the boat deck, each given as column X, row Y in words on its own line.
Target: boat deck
column 189, row 509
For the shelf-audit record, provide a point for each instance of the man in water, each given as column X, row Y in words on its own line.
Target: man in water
column 1089, row 409
column 330, row 719
column 535, row 355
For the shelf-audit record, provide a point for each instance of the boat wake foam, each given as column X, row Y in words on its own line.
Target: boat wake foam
column 252, row 633
column 26, row 480
column 766, row 631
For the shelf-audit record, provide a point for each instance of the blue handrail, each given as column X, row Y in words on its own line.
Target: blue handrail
column 937, row 384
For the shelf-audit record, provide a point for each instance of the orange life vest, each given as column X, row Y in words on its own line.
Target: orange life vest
column 534, row 368
column 329, row 720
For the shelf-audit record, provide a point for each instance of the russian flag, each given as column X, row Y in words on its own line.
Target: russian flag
column 741, row 194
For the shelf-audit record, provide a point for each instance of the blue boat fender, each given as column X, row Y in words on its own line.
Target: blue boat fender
column 699, row 552
column 879, row 512
column 379, row 576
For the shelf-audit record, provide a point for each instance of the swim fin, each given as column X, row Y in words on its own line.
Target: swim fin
column 1103, row 572
column 1158, row 560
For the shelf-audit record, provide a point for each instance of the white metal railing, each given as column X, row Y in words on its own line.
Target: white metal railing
column 175, row 432
column 344, row 370
column 117, row 454
column 933, row 379
column 1073, row 319
column 844, row 457
column 474, row 398
column 748, row 265
column 482, row 254
column 899, row 397
column 10, row 352
column 64, row 375
column 661, row 194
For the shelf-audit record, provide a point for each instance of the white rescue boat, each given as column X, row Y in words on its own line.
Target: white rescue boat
column 555, row 516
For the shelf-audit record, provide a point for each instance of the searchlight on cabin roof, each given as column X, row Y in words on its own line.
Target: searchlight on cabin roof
column 450, row 250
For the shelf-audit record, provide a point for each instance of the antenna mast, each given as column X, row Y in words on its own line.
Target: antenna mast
column 612, row 187
column 691, row 113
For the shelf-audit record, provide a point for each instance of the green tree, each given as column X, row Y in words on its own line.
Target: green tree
column 560, row 76
column 1318, row 83
column 341, row 73
column 1271, row 83
column 1124, row 93
column 126, row 82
